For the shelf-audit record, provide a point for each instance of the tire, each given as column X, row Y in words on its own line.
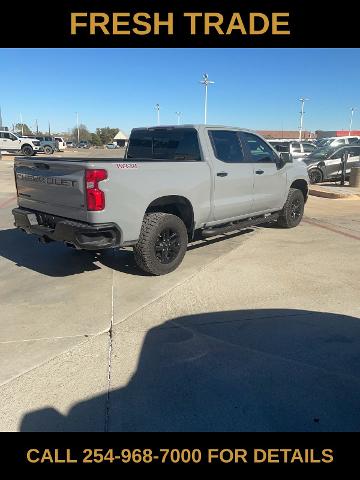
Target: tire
column 27, row 150
column 48, row 150
column 315, row 176
column 293, row 210
column 162, row 243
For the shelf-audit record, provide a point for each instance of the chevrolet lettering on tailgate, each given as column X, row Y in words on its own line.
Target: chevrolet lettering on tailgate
column 48, row 180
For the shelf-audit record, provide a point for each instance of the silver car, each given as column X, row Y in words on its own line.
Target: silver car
column 326, row 163
column 298, row 150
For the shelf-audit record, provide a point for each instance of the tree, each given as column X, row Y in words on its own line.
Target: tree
column 95, row 140
column 84, row 133
column 23, row 128
column 106, row 134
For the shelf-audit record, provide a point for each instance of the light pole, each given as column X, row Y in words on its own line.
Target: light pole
column 352, row 109
column 206, row 82
column 178, row 114
column 77, row 126
column 157, row 108
column 302, row 100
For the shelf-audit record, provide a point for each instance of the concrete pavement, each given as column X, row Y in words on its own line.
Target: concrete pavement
column 335, row 190
column 257, row 331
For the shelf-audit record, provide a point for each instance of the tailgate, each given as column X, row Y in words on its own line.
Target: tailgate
column 52, row 187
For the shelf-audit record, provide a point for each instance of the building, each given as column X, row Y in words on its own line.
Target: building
column 285, row 134
column 336, row 133
column 121, row 139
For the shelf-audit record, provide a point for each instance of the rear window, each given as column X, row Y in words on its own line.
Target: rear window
column 296, row 148
column 308, row 147
column 178, row 144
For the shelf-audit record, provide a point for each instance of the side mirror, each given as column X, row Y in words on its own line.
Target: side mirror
column 285, row 157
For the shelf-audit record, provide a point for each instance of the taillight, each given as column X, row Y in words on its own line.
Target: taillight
column 95, row 197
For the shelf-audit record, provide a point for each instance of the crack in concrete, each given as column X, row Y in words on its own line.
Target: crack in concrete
column 110, row 333
column 84, row 335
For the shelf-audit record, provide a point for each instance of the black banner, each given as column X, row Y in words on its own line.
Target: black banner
column 236, row 452
column 214, row 23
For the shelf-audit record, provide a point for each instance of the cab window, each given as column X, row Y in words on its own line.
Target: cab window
column 226, row 146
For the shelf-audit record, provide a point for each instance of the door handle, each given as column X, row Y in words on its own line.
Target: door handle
column 259, row 172
column 222, row 174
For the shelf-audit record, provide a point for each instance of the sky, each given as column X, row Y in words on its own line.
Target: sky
column 254, row 88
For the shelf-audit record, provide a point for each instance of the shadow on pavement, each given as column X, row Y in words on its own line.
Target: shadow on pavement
column 54, row 259
column 57, row 260
column 246, row 370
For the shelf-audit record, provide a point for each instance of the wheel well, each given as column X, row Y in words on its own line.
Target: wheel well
column 302, row 186
column 26, row 145
column 176, row 205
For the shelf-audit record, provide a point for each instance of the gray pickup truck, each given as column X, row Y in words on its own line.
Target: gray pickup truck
column 174, row 184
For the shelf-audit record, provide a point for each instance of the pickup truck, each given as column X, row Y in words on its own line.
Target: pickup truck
column 10, row 142
column 174, row 184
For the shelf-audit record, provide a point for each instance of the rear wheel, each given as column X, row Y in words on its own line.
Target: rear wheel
column 48, row 150
column 315, row 176
column 162, row 243
column 27, row 150
column 293, row 209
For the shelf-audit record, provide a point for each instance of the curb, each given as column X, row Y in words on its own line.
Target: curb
column 335, row 195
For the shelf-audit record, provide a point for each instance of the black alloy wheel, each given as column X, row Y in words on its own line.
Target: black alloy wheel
column 296, row 209
column 167, row 246
column 315, row 176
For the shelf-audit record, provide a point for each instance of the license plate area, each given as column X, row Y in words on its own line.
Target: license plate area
column 46, row 220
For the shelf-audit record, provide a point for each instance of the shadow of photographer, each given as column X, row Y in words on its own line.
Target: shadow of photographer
column 246, row 370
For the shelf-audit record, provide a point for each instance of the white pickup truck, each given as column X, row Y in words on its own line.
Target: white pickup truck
column 174, row 183
column 12, row 143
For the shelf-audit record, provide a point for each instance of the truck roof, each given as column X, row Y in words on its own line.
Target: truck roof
column 197, row 126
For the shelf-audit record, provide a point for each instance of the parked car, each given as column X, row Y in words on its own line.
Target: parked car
column 338, row 141
column 61, row 144
column 83, row 144
column 48, row 144
column 297, row 150
column 326, row 163
column 70, row 144
column 174, row 183
column 112, row 145
column 11, row 142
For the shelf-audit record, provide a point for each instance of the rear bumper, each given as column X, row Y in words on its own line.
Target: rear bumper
column 79, row 234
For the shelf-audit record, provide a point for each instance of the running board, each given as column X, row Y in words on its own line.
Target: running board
column 239, row 225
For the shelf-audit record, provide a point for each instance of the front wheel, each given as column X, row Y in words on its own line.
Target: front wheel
column 315, row 176
column 27, row 150
column 162, row 243
column 293, row 210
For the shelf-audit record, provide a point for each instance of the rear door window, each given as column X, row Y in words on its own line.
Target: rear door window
column 178, row 144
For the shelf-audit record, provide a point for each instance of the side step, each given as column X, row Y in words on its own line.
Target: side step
column 231, row 227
